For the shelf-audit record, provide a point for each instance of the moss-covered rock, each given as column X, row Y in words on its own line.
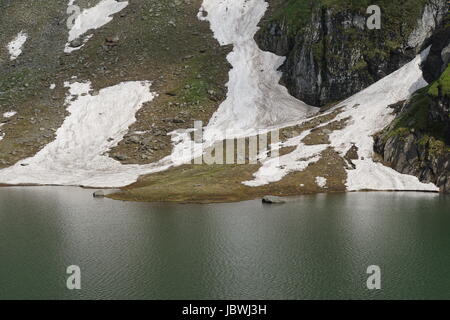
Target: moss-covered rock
column 441, row 87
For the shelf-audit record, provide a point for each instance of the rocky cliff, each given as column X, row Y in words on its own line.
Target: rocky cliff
column 331, row 54
column 418, row 141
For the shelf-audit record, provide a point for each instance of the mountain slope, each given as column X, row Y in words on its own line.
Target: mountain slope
column 162, row 42
column 126, row 101
column 418, row 140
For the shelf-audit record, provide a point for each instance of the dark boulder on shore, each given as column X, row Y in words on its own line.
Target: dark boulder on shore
column 104, row 193
column 273, row 200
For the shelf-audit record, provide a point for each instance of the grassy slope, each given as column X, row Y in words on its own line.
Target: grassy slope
column 177, row 58
column 442, row 86
column 223, row 183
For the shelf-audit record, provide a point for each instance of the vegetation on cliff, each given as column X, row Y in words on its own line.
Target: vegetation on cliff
column 331, row 54
column 418, row 141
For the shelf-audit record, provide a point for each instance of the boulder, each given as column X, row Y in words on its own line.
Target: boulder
column 104, row 193
column 273, row 200
column 99, row 194
column 76, row 43
column 120, row 157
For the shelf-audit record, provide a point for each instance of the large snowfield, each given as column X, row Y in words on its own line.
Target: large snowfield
column 369, row 113
column 255, row 100
column 95, row 124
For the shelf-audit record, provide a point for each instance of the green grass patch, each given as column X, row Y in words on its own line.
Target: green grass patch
column 441, row 87
column 417, row 117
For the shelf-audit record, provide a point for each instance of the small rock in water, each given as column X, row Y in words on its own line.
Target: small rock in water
column 273, row 200
column 104, row 193
column 99, row 194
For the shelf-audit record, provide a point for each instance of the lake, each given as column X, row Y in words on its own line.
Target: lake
column 313, row 247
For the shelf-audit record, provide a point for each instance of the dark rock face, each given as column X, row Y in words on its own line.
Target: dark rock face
column 331, row 55
column 410, row 156
column 416, row 152
column 439, row 55
column 418, row 140
column 334, row 55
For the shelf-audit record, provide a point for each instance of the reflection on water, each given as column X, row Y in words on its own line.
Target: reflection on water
column 315, row 247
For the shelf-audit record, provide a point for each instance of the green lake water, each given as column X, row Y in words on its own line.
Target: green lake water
column 314, row 247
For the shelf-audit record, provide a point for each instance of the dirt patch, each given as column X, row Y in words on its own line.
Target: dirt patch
column 292, row 131
column 321, row 135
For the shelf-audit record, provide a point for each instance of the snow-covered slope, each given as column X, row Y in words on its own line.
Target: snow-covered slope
column 95, row 124
column 369, row 113
column 255, row 100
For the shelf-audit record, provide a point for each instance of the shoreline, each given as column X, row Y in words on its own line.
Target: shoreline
column 218, row 199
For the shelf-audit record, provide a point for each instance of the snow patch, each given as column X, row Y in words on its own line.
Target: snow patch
column 321, row 182
column 369, row 113
column 78, row 154
column 92, row 18
column 15, row 46
column 9, row 114
column 52, row 86
column 370, row 175
column 254, row 100
column 275, row 169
